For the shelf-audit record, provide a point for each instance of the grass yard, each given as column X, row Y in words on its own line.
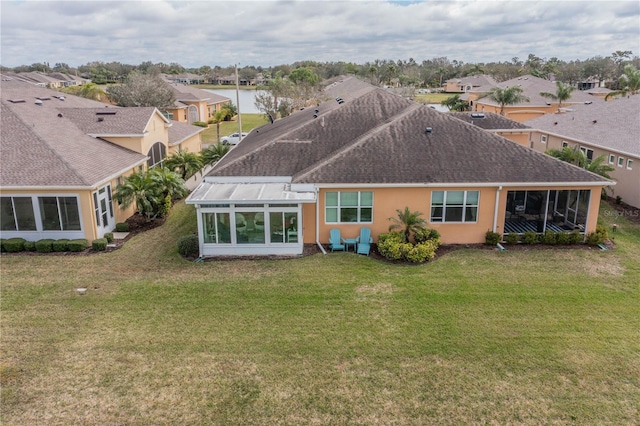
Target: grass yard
column 475, row 337
column 432, row 98
column 249, row 122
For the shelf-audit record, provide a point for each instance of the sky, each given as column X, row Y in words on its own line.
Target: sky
column 269, row 33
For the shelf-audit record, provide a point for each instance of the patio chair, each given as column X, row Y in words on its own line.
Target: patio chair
column 364, row 241
column 335, row 241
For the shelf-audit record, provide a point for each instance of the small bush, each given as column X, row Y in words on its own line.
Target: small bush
column 122, row 227
column 44, row 246
column 618, row 199
column 61, row 245
column 575, row 237
column 200, row 123
column 426, row 235
column 29, row 246
column 530, row 237
column 99, row 245
column 78, row 245
column 598, row 236
column 188, row 245
column 109, row 237
column 492, row 238
column 14, row 245
column 563, row 238
column 549, row 237
column 511, row 238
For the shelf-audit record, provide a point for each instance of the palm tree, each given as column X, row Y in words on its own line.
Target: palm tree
column 167, row 183
column 218, row 118
column 628, row 83
column 599, row 167
column 454, row 103
column 213, row 154
column 569, row 155
column 408, row 222
column 185, row 163
column 139, row 188
column 563, row 93
column 507, row 96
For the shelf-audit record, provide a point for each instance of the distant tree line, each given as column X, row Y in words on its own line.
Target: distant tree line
column 406, row 73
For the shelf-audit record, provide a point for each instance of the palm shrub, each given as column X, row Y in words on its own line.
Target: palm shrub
column 213, row 154
column 185, row 163
column 408, row 222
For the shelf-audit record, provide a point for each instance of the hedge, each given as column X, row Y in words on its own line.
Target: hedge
column 44, row 246
column 14, row 245
column 78, row 245
column 188, row 245
column 61, row 245
column 100, row 244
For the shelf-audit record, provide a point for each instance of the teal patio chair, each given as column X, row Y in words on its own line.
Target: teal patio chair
column 364, row 241
column 335, row 241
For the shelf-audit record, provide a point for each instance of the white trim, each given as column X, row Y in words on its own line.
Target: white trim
column 247, row 179
column 355, row 186
column 620, row 161
column 629, row 164
column 116, row 135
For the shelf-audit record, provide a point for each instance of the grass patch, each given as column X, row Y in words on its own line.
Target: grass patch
column 476, row 337
column 431, row 98
column 249, row 122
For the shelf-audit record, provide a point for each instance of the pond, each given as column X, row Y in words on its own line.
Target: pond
column 247, row 99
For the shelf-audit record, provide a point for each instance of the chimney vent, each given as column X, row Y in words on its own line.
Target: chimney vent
column 428, row 130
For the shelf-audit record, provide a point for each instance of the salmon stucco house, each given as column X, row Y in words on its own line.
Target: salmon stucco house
column 357, row 157
column 61, row 157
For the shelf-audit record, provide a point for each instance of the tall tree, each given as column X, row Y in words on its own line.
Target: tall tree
column 507, row 96
column 142, row 90
column 563, row 93
column 185, row 163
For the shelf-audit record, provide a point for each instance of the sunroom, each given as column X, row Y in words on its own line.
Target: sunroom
column 250, row 218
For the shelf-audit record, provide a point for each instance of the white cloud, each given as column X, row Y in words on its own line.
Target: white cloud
column 195, row 33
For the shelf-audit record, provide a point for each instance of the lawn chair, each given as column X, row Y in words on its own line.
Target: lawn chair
column 335, row 241
column 364, row 241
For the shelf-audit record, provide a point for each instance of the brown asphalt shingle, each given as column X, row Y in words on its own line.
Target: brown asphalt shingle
column 378, row 137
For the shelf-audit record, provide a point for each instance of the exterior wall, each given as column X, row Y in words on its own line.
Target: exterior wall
column 178, row 114
column 309, row 224
column 192, row 144
column 521, row 138
column 516, row 113
column 627, row 181
column 453, row 86
column 156, row 132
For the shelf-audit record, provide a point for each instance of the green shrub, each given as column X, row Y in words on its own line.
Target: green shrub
column 78, row 245
column 530, row 237
column 420, row 253
column 14, row 245
column 122, row 227
column 511, row 238
column 492, row 238
column 61, row 245
column 426, row 235
column 575, row 237
column 391, row 245
column 2, row 240
column 29, row 246
column 109, row 237
column 199, row 123
column 44, row 246
column 563, row 238
column 99, row 245
column 188, row 245
column 598, row 236
column 549, row 237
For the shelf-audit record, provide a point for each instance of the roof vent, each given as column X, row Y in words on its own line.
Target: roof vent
column 59, row 114
column 44, row 98
column 315, row 115
column 16, row 101
column 588, row 102
column 477, row 115
column 428, row 130
column 38, row 102
column 317, row 110
column 106, row 113
column 100, row 118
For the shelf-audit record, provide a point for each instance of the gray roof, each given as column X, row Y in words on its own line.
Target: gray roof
column 41, row 149
column 476, row 80
column 532, row 86
column 184, row 92
column 375, row 137
column 611, row 125
column 178, row 132
column 489, row 120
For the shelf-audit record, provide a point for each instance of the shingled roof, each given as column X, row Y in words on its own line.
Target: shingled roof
column 489, row 120
column 365, row 135
column 611, row 125
column 40, row 146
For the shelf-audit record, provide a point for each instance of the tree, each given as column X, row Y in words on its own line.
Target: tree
column 139, row 189
column 454, row 103
column 507, row 96
column 168, row 183
column 213, row 154
column 628, row 83
column 218, row 118
column 578, row 158
column 563, row 93
column 408, row 222
column 185, row 163
column 142, row 90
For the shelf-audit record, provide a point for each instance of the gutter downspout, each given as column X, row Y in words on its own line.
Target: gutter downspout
column 495, row 209
column 318, row 223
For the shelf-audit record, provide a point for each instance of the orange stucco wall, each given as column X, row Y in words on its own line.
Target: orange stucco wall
column 192, row 144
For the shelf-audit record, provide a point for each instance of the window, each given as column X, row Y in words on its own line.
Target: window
column 217, row 228
column 16, row 214
column 587, row 152
column 156, row 154
column 454, row 206
column 620, row 161
column 543, row 138
column 565, row 144
column 612, row 159
column 349, row 207
column 59, row 213
column 629, row 164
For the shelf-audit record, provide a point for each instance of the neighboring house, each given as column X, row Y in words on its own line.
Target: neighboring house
column 62, row 156
column 537, row 105
column 67, row 80
column 610, row 128
column 193, row 104
column 469, row 84
column 352, row 161
column 599, row 92
column 185, row 78
column 498, row 124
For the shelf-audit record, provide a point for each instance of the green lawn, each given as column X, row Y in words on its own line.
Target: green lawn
column 249, row 122
column 475, row 337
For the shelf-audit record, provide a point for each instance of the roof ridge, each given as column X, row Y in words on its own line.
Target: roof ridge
column 359, row 141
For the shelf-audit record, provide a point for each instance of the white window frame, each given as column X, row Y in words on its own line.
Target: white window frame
column 543, row 138
column 565, row 144
column 358, row 207
column 464, row 206
column 586, row 151
column 612, row 159
column 620, row 161
column 629, row 164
